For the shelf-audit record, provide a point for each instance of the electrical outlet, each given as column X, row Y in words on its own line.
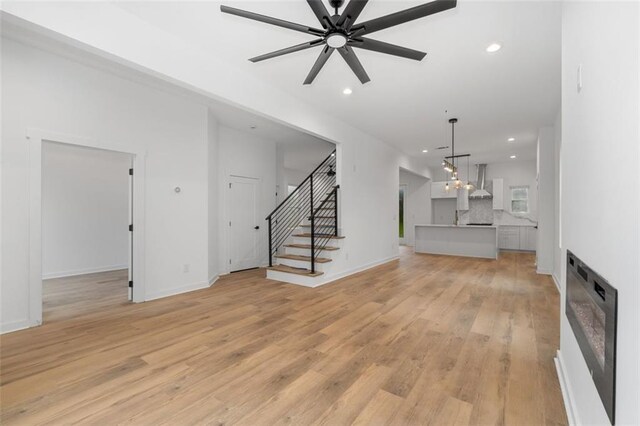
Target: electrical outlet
column 185, row 267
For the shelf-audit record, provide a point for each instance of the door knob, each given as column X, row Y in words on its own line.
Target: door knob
column 256, row 227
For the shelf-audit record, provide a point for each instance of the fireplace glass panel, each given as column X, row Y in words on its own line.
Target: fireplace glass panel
column 590, row 317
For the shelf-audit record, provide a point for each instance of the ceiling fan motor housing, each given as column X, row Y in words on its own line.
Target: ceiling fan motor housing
column 336, row 4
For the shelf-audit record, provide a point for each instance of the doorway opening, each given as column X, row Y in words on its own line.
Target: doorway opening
column 87, row 217
column 401, row 211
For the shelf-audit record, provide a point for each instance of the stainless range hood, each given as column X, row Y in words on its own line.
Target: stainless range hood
column 481, row 192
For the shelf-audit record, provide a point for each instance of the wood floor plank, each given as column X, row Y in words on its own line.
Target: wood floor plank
column 422, row 340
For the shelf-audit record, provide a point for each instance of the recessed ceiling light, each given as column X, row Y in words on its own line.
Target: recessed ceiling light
column 511, row 139
column 493, row 47
column 513, row 156
column 347, row 91
column 425, row 150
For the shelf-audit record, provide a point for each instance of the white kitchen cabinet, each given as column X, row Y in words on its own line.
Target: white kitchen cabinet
column 498, row 194
column 438, row 190
column 463, row 199
column 509, row 237
column 517, row 238
column 528, row 238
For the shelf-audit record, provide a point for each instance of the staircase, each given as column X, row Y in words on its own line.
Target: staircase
column 303, row 230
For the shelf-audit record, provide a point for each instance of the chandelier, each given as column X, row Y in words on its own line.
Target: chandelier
column 450, row 163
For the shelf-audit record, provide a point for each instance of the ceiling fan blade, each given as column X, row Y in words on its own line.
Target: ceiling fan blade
column 322, row 59
column 388, row 48
column 403, row 16
column 270, row 20
column 351, row 12
column 321, row 13
column 352, row 60
column 286, row 50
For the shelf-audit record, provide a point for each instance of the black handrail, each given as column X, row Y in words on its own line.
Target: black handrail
column 312, row 196
column 302, row 183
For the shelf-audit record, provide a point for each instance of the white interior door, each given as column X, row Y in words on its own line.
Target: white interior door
column 244, row 229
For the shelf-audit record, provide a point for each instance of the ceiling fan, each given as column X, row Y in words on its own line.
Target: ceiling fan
column 341, row 32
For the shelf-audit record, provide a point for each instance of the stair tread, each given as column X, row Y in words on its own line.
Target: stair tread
column 306, row 235
column 297, row 271
column 308, row 246
column 303, row 258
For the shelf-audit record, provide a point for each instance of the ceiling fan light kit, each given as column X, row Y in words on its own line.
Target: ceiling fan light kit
column 341, row 32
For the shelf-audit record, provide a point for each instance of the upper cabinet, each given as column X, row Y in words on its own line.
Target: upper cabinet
column 498, row 194
column 438, row 190
column 463, row 199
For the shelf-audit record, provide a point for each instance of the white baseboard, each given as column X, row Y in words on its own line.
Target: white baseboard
column 10, row 327
column 544, row 271
column 358, row 269
column 565, row 387
column 74, row 272
column 178, row 290
column 557, row 282
column 212, row 280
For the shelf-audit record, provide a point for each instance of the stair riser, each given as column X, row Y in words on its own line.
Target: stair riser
column 331, row 254
column 294, row 279
column 321, row 267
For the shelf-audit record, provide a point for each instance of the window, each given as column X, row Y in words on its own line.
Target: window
column 519, row 199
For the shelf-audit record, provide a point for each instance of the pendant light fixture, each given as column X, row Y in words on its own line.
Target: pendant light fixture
column 450, row 164
column 469, row 185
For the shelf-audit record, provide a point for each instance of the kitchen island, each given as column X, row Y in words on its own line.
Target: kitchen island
column 457, row 240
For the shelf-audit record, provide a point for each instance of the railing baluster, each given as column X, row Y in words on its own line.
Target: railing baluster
column 270, row 246
column 335, row 209
column 313, row 230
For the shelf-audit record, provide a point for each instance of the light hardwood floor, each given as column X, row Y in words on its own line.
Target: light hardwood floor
column 423, row 340
column 68, row 297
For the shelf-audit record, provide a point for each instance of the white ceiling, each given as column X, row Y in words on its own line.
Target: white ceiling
column 511, row 93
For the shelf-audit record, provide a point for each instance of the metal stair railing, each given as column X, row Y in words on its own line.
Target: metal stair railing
column 302, row 204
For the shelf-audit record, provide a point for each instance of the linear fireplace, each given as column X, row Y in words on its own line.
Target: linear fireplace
column 592, row 310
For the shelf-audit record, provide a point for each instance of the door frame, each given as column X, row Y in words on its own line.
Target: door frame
column 35, row 137
column 402, row 240
column 261, row 232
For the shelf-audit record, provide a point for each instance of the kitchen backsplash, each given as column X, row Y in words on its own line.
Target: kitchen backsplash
column 481, row 211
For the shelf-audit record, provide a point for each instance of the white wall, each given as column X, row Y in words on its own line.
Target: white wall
column 417, row 207
column 85, row 210
column 600, row 212
column 516, row 173
column 546, row 189
column 213, row 158
column 45, row 91
column 247, row 155
column 557, row 252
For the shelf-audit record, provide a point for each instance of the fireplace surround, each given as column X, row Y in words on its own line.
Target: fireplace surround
column 592, row 310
